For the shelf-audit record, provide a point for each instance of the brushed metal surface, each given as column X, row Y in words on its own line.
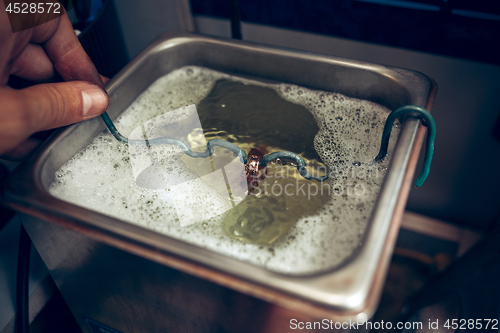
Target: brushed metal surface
column 351, row 290
column 131, row 294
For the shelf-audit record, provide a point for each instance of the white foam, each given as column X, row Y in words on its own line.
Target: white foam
column 101, row 178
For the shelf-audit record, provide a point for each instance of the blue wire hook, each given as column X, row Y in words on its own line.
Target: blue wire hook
column 427, row 120
column 410, row 110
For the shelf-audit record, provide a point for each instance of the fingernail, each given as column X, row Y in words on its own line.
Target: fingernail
column 94, row 102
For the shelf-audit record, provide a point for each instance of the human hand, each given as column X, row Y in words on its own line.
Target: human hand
column 37, row 54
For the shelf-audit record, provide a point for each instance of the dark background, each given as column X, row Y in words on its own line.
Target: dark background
column 425, row 25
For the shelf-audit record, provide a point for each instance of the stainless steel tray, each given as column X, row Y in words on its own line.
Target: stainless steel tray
column 349, row 291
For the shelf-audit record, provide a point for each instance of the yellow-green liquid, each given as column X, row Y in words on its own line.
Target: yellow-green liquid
column 256, row 117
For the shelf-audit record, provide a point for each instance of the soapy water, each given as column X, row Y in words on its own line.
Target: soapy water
column 321, row 224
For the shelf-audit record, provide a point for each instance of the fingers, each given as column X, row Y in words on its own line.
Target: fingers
column 21, row 43
column 68, row 55
column 46, row 106
column 61, row 50
column 33, row 64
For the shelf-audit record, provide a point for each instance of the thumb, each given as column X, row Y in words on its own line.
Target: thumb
column 45, row 106
column 58, row 104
